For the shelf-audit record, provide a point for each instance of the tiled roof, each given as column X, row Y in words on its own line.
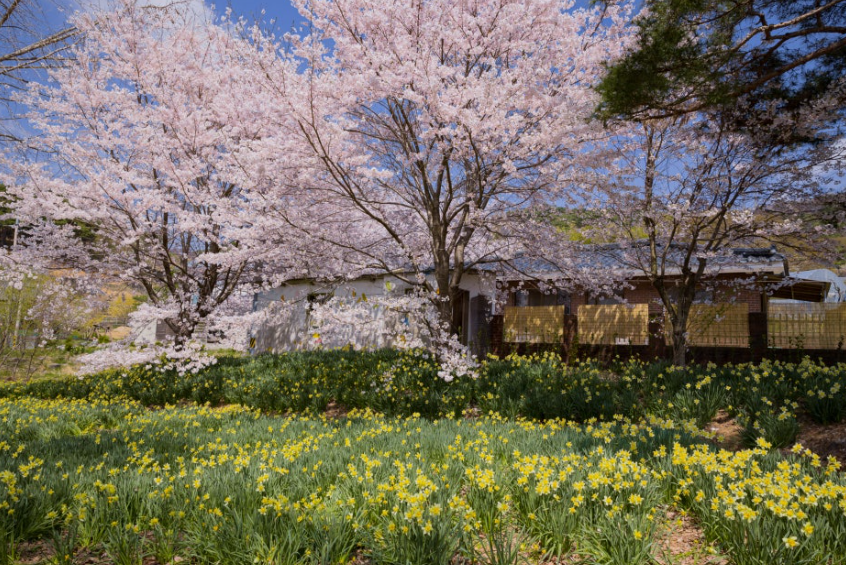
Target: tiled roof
column 627, row 260
column 631, row 260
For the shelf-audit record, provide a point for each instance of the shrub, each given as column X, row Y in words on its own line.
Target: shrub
column 539, row 387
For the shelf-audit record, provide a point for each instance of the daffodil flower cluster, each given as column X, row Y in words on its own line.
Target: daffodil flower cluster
column 228, row 484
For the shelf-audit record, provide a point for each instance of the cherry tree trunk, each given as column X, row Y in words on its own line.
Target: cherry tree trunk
column 679, row 339
column 446, row 299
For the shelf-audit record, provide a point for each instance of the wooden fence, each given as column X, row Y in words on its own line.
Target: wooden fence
column 715, row 325
column 807, row 326
column 534, row 324
column 614, row 324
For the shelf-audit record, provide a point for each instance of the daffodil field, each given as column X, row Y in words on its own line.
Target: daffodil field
column 241, row 464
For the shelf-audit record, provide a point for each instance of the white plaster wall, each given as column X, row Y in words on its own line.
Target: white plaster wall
column 144, row 334
column 295, row 330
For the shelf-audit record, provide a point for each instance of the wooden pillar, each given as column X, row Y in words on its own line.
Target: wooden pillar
column 657, row 346
column 496, row 328
column 757, row 335
column 571, row 327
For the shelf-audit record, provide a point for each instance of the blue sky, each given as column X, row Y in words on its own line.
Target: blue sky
column 280, row 10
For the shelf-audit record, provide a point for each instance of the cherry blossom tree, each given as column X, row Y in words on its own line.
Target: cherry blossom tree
column 419, row 131
column 28, row 44
column 143, row 131
column 679, row 194
column 40, row 302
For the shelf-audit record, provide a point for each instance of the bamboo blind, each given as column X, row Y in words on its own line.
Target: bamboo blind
column 534, row 324
column 715, row 325
column 807, row 326
column 614, row 324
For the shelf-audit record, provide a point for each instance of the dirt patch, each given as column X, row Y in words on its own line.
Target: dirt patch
column 824, row 440
column 335, row 411
column 359, row 558
column 728, row 434
column 569, row 559
column 119, row 332
column 91, row 557
column 42, row 553
column 32, row 553
column 472, row 413
column 681, row 542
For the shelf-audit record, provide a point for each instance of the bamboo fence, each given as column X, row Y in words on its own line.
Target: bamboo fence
column 715, row 325
column 534, row 324
column 807, row 325
column 614, row 324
